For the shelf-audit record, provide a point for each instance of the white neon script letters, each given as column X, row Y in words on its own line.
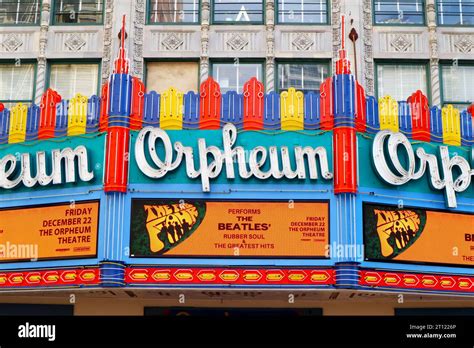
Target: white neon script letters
column 402, row 175
column 11, row 176
column 257, row 158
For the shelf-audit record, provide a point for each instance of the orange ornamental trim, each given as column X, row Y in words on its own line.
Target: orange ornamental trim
column 431, row 282
column 222, row 276
column 50, row 278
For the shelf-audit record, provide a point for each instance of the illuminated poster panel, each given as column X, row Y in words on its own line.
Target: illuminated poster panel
column 418, row 235
column 197, row 228
column 59, row 231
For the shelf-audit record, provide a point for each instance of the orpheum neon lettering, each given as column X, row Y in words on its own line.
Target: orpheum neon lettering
column 257, row 159
column 396, row 174
column 17, row 169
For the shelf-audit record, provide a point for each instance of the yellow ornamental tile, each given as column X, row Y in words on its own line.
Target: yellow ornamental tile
column 77, row 115
column 388, row 114
column 292, row 109
column 451, row 125
column 18, row 115
column 171, row 109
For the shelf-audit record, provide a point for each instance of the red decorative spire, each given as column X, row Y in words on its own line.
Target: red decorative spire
column 343, row 66
column 121, row 63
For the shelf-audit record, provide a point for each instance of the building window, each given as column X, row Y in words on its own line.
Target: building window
column 16, row 83
column 69, row 79
column 409, row 12
column 457, row 85
column 303, row 11
column 182, row 75
column 23, row 12
column 232, row 76
column 237, row 11
column 78, row 11
column 455, row 12
column 302, row 76
column 401, row 80
column 173, row 11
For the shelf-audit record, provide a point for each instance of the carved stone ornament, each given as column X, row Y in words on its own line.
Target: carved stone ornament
column 303, row 42
column 12, row 42
column 75, row 42
column 172, row 42
column 401, row 44
column 464, row 44
column 237, row 42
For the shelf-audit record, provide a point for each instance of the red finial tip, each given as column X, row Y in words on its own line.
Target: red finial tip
column 470, row 109
column 121, row 63
column 343, row 66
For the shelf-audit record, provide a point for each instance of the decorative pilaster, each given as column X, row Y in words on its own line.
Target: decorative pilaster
column 336, row 31
column 108, row 39
column 368, row 63
column 43, row 40
column 205, row 18
column 270, row 38
column 434, row 54
column 138, row 26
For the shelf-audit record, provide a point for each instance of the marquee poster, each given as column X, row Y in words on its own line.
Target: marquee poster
column 58, row 231
column 418, row 235
column 198, row 228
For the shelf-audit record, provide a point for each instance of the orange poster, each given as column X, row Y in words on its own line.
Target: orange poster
column 229, row 229
column 44, row 232
column 418, row 235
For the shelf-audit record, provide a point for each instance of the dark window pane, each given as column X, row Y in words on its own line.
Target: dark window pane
column 78, row 11
column 19, row 11
column 302, row 11
column 456, row 12
column 305, row 77
column 174, row 11
column 399, row 11
column 238, row 11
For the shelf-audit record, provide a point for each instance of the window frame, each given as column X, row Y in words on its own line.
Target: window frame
column 53, row 17
column 170, row 60
column 260, row 61
column 28, row 25
column 149, row 22
column 424, row 24
column 328, row 16
column 279, row 62
column 442, row 64
column 74, row 61
column 213, row 20
column 35, row 71
column 438, row 22
column 407, row 62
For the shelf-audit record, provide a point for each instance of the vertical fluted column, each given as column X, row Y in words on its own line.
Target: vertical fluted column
column 270, row 39
column 43, row 41
column 434, row 54
column 137, row 48
column 367, row 54
column 108, row 39
column 336, row 30
column 205, row 19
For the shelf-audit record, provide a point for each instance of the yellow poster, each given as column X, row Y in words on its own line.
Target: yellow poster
column 229, row 229
column 418, row 235
column 44, row 232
